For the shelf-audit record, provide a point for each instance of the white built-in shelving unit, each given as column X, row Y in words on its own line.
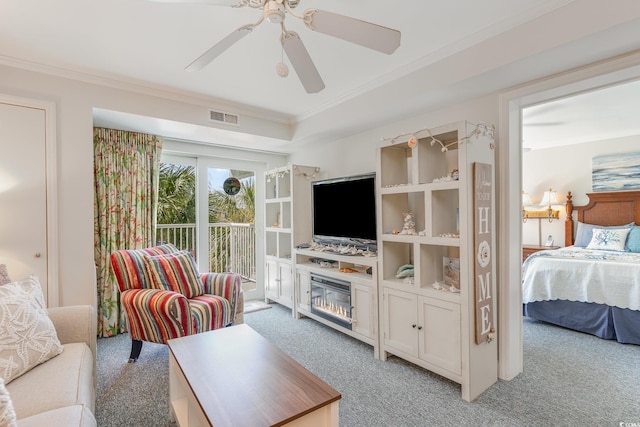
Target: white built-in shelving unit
column 287, row 224
column 433, row 328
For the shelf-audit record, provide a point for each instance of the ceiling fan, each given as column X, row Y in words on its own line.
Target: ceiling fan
column 367, row 34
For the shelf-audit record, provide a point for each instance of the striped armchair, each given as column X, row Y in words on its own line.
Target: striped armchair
column 165, row 297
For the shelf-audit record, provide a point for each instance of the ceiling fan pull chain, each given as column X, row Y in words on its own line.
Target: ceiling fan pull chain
column 281, row 68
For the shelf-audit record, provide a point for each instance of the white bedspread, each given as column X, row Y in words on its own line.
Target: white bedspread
column 576, row 274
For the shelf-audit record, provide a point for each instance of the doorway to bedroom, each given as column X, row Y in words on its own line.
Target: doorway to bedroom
column 602, row 75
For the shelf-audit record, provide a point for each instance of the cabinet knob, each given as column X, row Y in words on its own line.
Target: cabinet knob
column 419, row 327
column 37, row 255
column 414, row 325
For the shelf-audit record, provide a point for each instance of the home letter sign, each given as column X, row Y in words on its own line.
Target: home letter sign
column 482, row 214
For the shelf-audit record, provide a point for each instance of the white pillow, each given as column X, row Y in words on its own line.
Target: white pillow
column 4, row 275
column 608, row 239
column 7, row 413
column 31, row 286
column 27, row 335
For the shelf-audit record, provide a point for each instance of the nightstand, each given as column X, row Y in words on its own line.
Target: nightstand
column 529, row 249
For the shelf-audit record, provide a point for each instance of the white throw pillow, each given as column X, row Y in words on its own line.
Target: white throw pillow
column 7, row 413
column 4, row 275
column 27, row 335
column 608, row 239
column 31, row 286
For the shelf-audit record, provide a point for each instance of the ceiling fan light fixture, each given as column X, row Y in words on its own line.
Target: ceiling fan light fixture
column 282, row 69
column 274, row 12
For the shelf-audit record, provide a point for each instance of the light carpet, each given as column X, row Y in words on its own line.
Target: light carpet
column 569, row 379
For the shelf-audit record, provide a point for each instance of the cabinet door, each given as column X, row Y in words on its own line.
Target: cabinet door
column 303, row 278
column 285, row 290
column 362, row 310
column 401, row 320
column 271, row 279
column 440, row 333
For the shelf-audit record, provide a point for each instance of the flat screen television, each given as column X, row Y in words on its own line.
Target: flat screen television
column 344, row 211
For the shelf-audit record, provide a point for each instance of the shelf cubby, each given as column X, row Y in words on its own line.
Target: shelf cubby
column 395, row 161
column 396, row 254
column 394, row 207
column 445, row 212
column 284, row 185
column 273, row 215
column 271, row 243
column 285, row 215
column 430, row 269
column 284, row 245
column 433, row 162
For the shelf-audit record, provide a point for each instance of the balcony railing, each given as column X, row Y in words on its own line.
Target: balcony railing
column 232, row 246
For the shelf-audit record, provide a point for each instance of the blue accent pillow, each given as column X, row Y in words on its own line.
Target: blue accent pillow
column 633, row 240
column 585, row 232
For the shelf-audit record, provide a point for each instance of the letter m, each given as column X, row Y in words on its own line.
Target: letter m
column 484, row 287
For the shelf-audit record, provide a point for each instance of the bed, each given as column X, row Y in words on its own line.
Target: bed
column 591, row 285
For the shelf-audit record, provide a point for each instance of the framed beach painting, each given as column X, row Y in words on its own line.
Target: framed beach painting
column 613, row 172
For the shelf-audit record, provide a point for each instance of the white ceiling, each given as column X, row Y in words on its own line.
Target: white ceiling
column 150, row 43
column 609, row 113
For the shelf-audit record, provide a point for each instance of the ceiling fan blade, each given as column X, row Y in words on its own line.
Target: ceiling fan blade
column 219, row 48
column 301, row 61
column 373, row 36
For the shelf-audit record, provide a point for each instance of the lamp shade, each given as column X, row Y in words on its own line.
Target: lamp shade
column 550, row 198
column 526, row 200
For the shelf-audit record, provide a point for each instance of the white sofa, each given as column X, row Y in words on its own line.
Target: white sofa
column 62, row 390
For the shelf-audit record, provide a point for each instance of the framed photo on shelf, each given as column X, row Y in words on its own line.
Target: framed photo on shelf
column 451, row 271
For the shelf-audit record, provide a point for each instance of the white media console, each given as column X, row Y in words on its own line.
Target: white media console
column 343, row 295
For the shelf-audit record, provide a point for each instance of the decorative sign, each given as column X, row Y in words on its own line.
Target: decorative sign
column 231, row 186
column 482, row 214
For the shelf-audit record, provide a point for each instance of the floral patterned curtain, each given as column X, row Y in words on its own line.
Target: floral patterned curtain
column 125, row 203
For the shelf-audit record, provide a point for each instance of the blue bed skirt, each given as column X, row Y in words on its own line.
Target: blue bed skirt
column 612, row 323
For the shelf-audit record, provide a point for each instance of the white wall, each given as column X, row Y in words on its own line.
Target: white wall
column 564, row 169
column 358, row 153
column 74, row 101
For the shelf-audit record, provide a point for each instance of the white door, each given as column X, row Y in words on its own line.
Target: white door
column 23, row 192
column 440, row 334
column 285, row 292
column 401, row 321
column 362, row 309
column 271, row 279
column 303, row 278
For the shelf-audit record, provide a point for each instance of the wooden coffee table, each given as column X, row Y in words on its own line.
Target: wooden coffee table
column 236, row 377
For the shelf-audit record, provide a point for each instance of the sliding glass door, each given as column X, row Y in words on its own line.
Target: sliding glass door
column 208, row 208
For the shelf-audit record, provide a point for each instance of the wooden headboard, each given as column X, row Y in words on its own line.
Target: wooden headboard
column 605, row 208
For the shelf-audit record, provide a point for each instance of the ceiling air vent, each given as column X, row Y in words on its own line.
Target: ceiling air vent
column 221, row 117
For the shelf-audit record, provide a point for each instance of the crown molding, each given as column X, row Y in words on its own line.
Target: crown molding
column 143, row 87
